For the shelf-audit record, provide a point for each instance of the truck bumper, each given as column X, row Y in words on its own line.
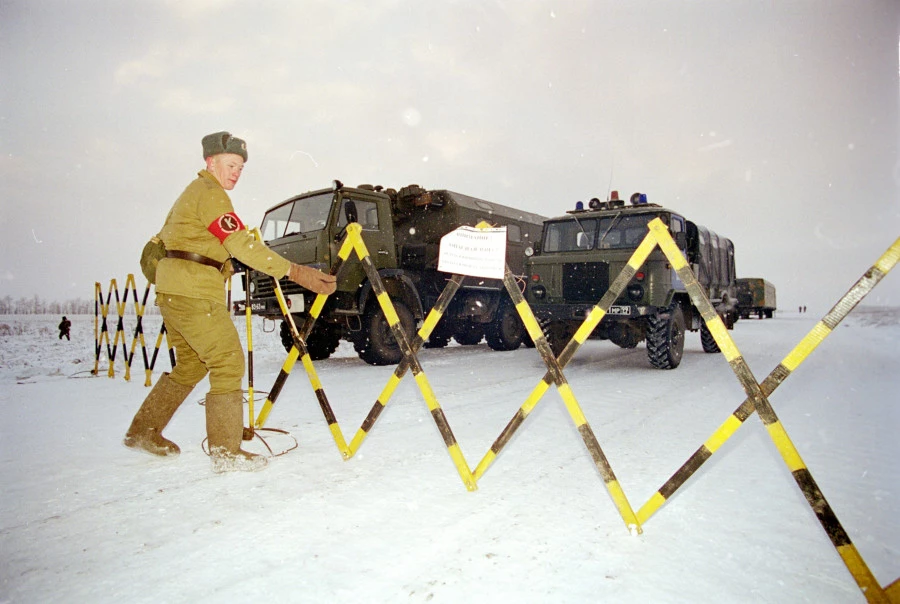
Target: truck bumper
column 579, row 312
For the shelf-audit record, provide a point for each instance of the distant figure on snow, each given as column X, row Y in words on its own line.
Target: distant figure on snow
column 64, row 327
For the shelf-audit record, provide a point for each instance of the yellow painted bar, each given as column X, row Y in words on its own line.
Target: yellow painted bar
column 427, row 392
column 389, row 388
column 861, row 573
column 357, row 441
column 462, row 467
column 383, row 399
column 787, row 449
column 384, row 300
column 263, row 414
column 346, row 247
column 725, row 342
column 311, row 372
column 430, row 323
column 526, row 408
column 317, row 305
column 892, row 592
column 806, row 346
column 484, row 464
column 890, row 258
column 535, row 396
column 643, row 250
column 571, row 404
column 587, row 327
column 650, row 508
column 667, row 244
column 621, row 503
column 723, row 433
column 287, row 366
column 531, row 324
column 338, row 437
column 251, row 412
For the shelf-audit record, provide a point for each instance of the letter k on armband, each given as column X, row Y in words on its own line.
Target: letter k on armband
column 225, row 225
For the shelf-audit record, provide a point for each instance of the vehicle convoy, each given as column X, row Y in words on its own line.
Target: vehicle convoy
column 581, row 253
column 755, row 296
column 402, row 231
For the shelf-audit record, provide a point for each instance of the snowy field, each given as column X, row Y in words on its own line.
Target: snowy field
column 83, row 519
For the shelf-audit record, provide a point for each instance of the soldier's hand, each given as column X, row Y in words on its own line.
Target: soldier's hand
column 312, row 279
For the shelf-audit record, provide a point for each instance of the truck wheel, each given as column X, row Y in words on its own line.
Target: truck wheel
column 769, row 313
column 440, row 337
column 506, row 331
column 558, row 334
column 527, row 341
column 376, row 344
column 469, row 333
column 320, row 344
column 665, row 338
column 707, row 339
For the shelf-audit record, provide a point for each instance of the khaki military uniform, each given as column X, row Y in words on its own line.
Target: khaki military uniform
column 191, row 296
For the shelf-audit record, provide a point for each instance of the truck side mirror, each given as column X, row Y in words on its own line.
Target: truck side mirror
column 350, row 211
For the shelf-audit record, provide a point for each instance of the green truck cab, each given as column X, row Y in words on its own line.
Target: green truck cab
column 581, row 253
column 402, row 230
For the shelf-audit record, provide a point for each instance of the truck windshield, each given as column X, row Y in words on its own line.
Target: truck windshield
column 300, row 216
column 616, row 232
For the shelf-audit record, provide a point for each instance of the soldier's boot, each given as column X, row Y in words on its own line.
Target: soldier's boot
column 145, row 432
column 224, row 431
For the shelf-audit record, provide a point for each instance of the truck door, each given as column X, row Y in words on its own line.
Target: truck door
column 676, row 226
column 377, row 233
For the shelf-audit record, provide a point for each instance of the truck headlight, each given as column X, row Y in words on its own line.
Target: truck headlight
column 539, row 291
column 635, row 292
column 253, row 287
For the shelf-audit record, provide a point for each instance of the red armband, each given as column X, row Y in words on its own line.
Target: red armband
column 225, row 225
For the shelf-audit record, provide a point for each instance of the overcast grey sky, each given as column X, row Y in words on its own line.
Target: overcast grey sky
column 774, row 123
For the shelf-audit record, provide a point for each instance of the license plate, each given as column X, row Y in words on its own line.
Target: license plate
column 619, row 310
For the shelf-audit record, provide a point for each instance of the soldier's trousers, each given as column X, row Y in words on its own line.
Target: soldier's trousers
column 205, row 340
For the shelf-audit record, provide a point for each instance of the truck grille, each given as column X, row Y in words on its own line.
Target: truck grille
column 265, row 286
column 585, row 281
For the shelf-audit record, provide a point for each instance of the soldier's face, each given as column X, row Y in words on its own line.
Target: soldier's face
column 226, row 167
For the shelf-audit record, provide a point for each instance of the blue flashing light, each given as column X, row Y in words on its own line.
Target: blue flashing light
column 579, row 205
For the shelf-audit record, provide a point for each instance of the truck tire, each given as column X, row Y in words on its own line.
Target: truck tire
column 469, row 333
column 506, row 331
column 665, row 338
column 440, row 337
column 376, row 344
column 558, row 334
column 707, row 339
column 320, row 344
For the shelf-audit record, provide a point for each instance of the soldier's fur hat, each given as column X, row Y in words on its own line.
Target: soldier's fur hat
column 223, row 142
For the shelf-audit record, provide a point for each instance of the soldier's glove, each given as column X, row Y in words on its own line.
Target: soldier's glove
column 312, row 279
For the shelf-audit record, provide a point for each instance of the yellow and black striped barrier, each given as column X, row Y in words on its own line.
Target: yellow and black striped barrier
column 101, row 329
column 757, row 400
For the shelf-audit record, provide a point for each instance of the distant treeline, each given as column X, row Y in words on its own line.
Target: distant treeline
column 37, row 306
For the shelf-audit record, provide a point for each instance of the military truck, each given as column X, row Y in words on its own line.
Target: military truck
column 581, row 253
column 755, row 296
column 402, row 230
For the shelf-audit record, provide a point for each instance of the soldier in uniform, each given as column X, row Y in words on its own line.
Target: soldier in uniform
column 201, row 233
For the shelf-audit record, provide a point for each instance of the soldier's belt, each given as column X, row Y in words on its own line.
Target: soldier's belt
column 193, row 257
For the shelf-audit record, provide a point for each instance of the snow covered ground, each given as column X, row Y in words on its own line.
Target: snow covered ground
column 82, row 518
